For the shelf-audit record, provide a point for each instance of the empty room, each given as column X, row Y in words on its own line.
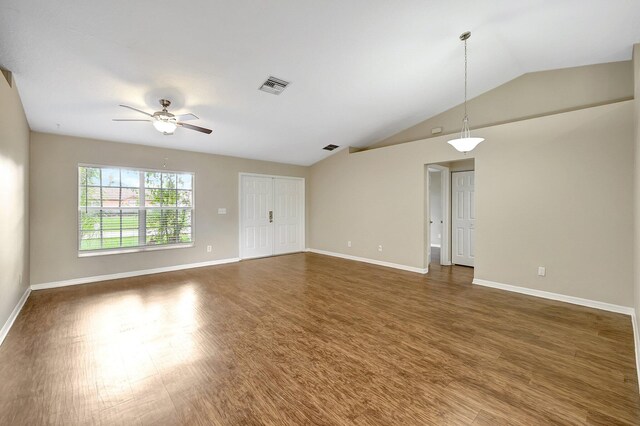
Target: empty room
column 329, row 213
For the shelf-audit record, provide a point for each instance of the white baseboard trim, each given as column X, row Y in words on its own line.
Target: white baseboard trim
column 559, row 297
column 87, row 280
column 636, row 341
column 372, row 261
column 14, row 314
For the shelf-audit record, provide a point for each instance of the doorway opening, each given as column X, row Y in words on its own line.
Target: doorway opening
column 437, row 220
column 450, row 213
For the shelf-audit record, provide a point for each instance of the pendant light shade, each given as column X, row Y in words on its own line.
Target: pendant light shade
column 465, row 142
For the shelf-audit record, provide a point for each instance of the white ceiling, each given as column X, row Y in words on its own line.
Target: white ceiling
column 361, row 70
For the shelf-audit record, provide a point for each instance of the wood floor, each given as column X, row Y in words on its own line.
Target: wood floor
column 309, row 339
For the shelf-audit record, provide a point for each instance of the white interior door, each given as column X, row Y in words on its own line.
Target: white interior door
column 256, row 225
column 463, row 218
column 288, row 215
column 271, row 215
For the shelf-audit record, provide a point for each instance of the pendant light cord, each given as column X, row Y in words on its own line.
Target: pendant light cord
column 465, row 132
column 465, row 142
column 465, row 78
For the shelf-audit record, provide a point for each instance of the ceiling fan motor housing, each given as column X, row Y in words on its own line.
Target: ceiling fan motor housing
column 166, row 122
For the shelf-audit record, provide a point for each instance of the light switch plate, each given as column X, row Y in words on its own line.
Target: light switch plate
column 222, row 210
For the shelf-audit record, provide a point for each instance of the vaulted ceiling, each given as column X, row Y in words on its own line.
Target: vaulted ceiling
column 360, row 70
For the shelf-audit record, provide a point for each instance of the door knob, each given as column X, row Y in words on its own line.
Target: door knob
column 270, row 216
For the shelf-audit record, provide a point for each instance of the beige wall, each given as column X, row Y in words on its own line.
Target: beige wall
column 54, row 161
column 532, row 95
column 14, row 192
column 460, row 165
column 545, row 187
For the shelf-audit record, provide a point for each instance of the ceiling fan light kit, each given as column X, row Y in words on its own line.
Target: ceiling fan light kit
column 165, row 122
column 166, row 127
column 465, row 142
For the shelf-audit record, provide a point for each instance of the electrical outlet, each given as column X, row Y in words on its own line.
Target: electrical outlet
column 542, row 271
column 209, row 248
column 380, row 247
column 348, row 243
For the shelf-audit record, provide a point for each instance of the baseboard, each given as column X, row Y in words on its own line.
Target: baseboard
column 14, row 314
column 559, row 297
column 87, row 280
column 636, row 341
column 371, row 261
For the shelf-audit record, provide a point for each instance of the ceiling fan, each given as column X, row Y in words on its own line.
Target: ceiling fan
column 165, row 122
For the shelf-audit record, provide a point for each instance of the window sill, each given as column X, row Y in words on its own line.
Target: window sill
column 132, row 250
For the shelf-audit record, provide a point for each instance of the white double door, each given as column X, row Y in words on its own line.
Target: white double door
column 463, row 218
column 271, row 215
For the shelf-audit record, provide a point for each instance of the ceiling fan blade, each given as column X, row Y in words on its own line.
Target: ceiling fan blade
column 136, row 109
column 130, row 119
column 186, row 117
column 196, row 128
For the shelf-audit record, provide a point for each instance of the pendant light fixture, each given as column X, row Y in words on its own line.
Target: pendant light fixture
column 465, row 142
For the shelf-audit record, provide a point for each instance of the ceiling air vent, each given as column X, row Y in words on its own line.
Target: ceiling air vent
column 330, row 147
column 274, row 85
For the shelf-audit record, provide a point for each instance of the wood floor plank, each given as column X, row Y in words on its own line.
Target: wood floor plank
column 310, row 339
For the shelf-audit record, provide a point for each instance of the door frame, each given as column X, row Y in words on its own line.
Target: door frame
column 304, row 205
column 445, row 191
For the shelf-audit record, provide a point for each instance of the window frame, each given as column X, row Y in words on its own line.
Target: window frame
column 139, row 209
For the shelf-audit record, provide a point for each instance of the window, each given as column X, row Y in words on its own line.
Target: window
column 122, row 210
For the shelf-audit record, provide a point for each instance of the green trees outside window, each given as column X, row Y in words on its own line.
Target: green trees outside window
column 167, row 225
column 123, row 208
